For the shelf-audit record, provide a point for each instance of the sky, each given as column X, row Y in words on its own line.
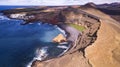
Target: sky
column 53, row 2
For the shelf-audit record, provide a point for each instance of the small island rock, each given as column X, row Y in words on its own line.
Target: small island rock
column 60, row 38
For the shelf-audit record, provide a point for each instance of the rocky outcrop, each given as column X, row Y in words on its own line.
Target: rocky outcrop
column 59, row 39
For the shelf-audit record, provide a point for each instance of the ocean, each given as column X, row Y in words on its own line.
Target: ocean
column 5, row 7
column 20, row 45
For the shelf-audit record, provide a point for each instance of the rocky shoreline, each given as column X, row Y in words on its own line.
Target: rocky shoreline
column 61, row 17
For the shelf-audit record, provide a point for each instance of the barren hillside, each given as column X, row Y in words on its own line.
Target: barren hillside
column 97, row 46
column 105, row 52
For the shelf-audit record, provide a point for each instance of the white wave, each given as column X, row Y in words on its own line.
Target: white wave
column 66, row 49
column 64, row 43
column 55, row 26
column 19, row 15
column 41, row 54
column 61, row 30
column 30, row 63
column 30, row 23
column 3, row 17
column 63, row 46
column 39, row 23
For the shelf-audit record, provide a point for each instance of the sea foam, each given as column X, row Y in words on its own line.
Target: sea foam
column 61, row 30
column 2, row 17
column 41, row 54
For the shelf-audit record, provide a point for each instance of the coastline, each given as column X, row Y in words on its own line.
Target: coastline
column 60, row 17
column 99, row 40
column 62, row 31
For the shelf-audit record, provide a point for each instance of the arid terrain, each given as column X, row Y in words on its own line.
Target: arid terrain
column 105, row 52
column 97, row 46
column 112, row 9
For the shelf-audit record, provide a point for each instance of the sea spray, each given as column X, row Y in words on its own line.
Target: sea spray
column 61, row 30
column 2, row 17
column 30, row 63
column 41, row 54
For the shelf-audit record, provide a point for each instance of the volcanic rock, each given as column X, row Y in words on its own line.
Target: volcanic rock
column 101, row 37
column 59, row 38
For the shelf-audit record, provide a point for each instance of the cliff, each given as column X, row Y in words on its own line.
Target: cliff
column 63, row 16
column 98, row 43
column 105, row 51
column 75, row 57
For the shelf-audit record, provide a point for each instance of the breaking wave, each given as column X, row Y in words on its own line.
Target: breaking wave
column 41, row 54
column 61, row 30
column 2, row 17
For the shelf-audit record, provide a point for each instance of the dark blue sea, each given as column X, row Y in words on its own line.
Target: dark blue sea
column 20, row 45
column 5, row 7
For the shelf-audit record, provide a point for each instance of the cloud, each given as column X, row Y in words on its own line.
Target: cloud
column 52, row 2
